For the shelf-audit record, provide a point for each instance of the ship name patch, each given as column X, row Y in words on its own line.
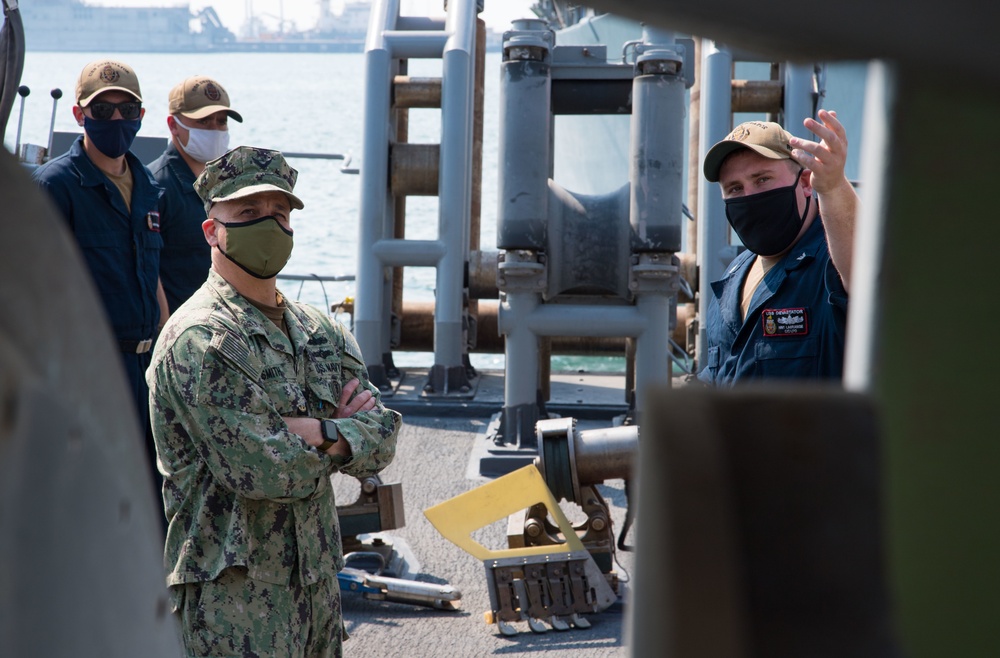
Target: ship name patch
column 785, row 321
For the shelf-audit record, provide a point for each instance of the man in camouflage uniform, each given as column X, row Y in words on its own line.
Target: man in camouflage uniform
column 256, row 401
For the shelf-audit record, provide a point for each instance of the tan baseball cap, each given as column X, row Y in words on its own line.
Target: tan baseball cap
column 244, row 171
column 199, row 96
column 105, row 75
column 765, row 137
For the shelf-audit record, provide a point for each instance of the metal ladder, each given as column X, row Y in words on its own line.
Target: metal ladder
column 393, row 169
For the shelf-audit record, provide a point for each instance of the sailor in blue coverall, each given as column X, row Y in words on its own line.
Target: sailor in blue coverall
column 185, row 248
column 780, row 310
column 109, row 201
column 198, row 121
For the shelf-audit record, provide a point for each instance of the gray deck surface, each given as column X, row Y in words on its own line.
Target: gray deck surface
column 433, row 462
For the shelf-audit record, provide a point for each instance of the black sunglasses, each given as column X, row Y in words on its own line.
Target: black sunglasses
column 103, row 111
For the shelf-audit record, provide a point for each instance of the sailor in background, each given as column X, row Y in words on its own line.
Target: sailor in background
column 780, row 311
column 109, row 199
column 256, row 401
column 198, row 121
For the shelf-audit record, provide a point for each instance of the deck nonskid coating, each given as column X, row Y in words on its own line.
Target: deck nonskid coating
column 432, row 463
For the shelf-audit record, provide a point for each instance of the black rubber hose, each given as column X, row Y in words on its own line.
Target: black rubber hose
column 629, row 516
column 11, row 63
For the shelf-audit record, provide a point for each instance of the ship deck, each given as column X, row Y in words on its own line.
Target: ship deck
column 436, row 459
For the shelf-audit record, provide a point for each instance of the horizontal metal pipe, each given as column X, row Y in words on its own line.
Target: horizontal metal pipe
column 315, row 277
column 579, row 320
column 409, row 92
column 606, row 454
column 417, row 44
column 417, row 334
column 757, row 95
column 419, row 23
column 483, row 274
column 414, row 169
column 314, row 156
column 416, row 253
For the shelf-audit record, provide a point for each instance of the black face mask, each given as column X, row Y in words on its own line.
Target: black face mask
column 767, row 222
column 112, row 137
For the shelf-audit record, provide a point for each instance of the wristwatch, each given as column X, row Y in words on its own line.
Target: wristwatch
column 328, row 429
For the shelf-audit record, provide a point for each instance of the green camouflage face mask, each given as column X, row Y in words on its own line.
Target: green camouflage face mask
column 260, row 247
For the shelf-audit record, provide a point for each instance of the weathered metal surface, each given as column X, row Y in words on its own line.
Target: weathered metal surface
column 411, row 92
column 80, row 531
column 414, row 169
column 757, row 96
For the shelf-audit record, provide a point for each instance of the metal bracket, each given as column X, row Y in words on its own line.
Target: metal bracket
column 654, row 272
column 379, row 507
column 521, row 271
column 663, row 59
column 532, row 40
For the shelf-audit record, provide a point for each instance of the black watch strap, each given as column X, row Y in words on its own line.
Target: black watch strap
column 328, row 429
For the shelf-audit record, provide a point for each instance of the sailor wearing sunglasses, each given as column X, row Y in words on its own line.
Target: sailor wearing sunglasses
column 109, row 201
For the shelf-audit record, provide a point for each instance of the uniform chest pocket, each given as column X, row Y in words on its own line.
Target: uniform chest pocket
column 150, row 240
column 713, row 358
column 788, row 357
column 324, row 384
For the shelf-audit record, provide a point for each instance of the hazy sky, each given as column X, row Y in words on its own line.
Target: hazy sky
column 497, row 13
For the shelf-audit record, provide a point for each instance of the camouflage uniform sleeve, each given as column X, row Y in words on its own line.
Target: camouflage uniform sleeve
column 372, row 434
column 221, row 412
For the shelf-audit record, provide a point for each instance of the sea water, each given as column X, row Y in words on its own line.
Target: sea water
column 297, row 103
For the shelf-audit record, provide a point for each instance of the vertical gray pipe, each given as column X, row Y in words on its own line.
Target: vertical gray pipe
column 798, row 98
column 373, row 210
column 657, row 162
column 652, row 358
column 455, row 181
column 713, row 228
column 523, row 154
column 520, row 352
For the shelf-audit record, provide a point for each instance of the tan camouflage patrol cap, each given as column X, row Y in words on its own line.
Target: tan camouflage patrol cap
column 243, row 171
column 765, row 137
column 105, row 75
column 199, row 96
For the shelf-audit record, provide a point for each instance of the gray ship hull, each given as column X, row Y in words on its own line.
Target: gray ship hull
column 75, row 27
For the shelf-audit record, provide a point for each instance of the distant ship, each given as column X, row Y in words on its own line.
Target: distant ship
column 343, row 32
column 73, row 25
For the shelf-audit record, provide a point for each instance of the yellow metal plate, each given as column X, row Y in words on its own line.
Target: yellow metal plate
column 458, row 518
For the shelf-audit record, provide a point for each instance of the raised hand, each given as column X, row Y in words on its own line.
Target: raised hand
column 825, row 159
